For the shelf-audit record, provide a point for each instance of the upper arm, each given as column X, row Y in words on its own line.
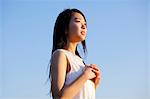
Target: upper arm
column 58, row 72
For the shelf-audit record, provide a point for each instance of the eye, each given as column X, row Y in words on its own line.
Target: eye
column 77, row 21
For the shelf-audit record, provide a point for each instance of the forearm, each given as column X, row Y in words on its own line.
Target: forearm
column 96, row 84
column 72, row 89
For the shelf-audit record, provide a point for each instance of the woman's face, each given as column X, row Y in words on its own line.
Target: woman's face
column 77, row 28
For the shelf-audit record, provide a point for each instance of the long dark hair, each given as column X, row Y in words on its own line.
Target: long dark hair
column 59, row 32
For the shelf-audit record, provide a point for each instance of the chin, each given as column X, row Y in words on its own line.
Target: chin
column 82, row 38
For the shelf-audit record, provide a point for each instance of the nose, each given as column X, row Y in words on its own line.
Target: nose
column 83, row 26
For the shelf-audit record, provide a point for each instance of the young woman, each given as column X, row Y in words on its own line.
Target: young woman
column 70, row 77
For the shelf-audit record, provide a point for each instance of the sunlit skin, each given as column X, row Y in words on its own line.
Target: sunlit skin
column 75, row 34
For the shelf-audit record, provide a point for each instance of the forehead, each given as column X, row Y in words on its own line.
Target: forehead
column 76, row 15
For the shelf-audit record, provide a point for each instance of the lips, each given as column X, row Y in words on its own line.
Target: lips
column 83, row 32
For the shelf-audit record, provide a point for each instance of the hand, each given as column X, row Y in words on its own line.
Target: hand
column 89, row 72
column 96, row 80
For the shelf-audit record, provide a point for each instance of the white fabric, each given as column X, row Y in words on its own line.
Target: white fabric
column 77, row 66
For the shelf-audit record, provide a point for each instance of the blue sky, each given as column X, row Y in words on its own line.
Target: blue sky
column 117, row 41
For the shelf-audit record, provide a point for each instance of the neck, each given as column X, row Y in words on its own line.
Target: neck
column 71, row 46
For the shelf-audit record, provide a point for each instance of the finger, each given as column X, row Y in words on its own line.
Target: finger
column 87, row 65
column 98, row 77
column 94, row 66
column 95, row 71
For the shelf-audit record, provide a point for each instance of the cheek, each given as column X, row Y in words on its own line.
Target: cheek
column 74, row 29
column 74, row 33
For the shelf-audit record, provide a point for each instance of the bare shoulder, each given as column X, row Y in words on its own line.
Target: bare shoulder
column 58, row 54
column 58, row 58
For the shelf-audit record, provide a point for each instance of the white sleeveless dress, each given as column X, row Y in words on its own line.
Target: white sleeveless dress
column 77, row 66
